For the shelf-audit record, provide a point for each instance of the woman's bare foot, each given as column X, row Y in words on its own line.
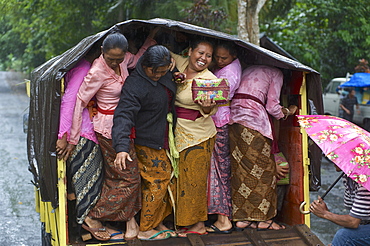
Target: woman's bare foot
column 223, row 224
column 246, row 224
column 151, row 235
column 162, row 227
column 269, row 225
column 100, row 234
column 132, row 229
column 114, row 233
column 198, row 228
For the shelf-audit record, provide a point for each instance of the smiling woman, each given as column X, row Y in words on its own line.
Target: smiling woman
column 194, row 139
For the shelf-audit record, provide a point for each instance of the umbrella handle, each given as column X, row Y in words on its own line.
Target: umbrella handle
column 301, row 208
column 323, row 196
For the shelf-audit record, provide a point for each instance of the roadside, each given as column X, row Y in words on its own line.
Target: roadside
column 19, row 222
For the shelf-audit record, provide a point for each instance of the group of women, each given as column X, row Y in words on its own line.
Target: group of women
column 151, row 151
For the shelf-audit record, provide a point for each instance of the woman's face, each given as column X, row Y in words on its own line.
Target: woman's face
column 201, row 57
column 222, row 57
column 114, row 57
column 157, row 74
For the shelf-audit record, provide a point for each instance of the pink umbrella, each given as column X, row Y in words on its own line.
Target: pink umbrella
column 343, row 142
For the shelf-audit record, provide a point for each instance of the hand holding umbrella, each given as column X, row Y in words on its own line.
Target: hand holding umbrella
column 343, row 142
column 323, row 196
column 319, row 208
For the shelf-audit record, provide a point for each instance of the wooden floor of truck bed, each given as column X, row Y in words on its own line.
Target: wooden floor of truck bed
column 298, row 235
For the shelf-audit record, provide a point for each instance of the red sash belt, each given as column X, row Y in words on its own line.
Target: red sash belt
column 103, row 111
column 247, row 96
column 111, row 112
column 189, row 114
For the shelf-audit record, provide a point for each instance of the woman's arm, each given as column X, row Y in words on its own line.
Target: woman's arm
column 90, row 86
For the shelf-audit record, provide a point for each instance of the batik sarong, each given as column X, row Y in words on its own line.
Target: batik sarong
column 155, row 171
column 194, row 163
column 253, row 179
column 219, row 186
column 120, row 197
column 85, row 176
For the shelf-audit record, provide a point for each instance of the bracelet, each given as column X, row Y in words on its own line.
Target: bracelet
column 287, row 111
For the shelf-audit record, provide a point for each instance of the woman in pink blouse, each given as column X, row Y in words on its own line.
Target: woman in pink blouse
column 219, row 187
column 253, row 173
column 85, row 161
column 120, row 197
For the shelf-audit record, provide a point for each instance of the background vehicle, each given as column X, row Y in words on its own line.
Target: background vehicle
column 300, row 84
column 333, row 94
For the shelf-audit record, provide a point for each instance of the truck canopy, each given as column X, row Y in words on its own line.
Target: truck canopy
column 46, row 89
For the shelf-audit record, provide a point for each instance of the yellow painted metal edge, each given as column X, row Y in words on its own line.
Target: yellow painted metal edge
column 37, row 199
column 61, row 210
column 28, row 87
column 306, row 160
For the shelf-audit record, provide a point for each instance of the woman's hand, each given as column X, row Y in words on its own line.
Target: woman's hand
column 63, row 148
column 153, row 32
column 172, row 65
column 207, row 104
column 289, row 111
column 179, row 77
column 282, row 171
column 120, row 161
column 292, row 109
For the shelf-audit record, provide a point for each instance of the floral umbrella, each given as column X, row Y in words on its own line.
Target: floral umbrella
column 343, row 142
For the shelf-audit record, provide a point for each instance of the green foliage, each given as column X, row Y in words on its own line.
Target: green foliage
column 328, row 35
column 35, row 31
column 202, row 14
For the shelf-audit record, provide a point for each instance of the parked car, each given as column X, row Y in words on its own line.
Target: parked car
column 333, row 94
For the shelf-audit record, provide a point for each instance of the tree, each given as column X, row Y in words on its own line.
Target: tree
column 202, row 14
column 328, row 35
column 248, row 21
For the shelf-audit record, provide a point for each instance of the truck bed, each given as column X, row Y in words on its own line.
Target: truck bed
column 298, row 235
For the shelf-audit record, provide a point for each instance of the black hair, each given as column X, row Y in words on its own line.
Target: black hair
column 194, row 44
column 115, row 40
column 229, row 46
column 156, row 56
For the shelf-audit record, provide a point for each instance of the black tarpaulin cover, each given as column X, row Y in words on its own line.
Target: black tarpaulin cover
column 46, row 89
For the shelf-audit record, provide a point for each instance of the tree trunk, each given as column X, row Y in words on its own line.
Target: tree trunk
column 242, row 20
column 248, row 26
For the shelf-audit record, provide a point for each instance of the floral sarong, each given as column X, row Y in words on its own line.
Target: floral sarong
column 219, row 186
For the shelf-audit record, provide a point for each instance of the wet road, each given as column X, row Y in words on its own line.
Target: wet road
column 20, row 223
column 325, row 229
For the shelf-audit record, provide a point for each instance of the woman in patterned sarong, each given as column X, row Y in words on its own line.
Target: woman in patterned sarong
column 254, row 170
column 219, row 187
column 147, row 99
column 120, row 197
column 85, row 163
column 194, row 136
